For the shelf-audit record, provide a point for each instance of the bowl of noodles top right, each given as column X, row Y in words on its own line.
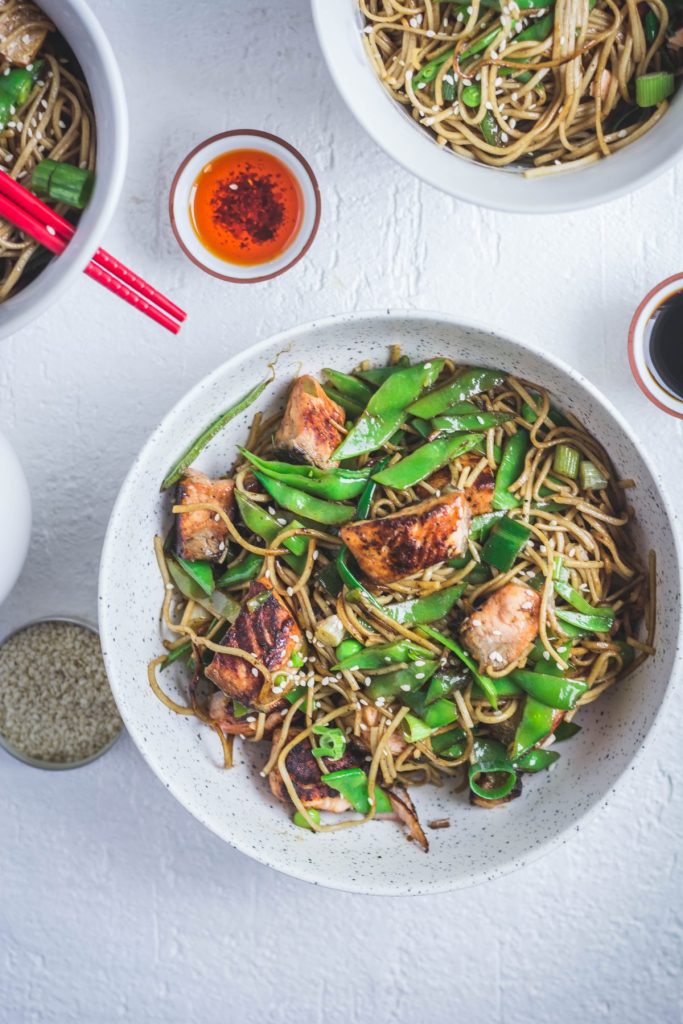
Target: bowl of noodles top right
column 514, row 106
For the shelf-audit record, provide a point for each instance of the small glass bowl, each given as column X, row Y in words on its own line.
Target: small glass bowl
column 642, row 368
column 56, row 765
column 180, row 197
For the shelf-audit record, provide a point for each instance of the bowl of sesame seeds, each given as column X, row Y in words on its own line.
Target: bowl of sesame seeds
column 56, row 708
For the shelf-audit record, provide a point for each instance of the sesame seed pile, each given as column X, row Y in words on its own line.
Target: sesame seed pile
column 55, row 701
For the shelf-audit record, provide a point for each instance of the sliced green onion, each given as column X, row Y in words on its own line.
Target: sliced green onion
column 255, row 602
column 294, row 694
column 63, row 182
column 332, row 742
column 296, row 659
column 490, row 129
column 566, row 461
column 653, row 88
column 590, row 477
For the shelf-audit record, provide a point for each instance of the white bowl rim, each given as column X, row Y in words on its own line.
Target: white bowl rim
column 495, row 196
column 289, row 336
column 91, row 228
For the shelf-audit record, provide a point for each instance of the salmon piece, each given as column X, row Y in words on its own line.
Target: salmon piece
column 304, row 772
column 309, row 428
column 22, row 33
column 479, row 495
column 438, row 480
column 199, row 536
column 269, row 632
column 221, row 713
column 370, row 717
column 498, row 633
column 412, row 539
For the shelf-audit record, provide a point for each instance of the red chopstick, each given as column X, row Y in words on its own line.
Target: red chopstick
column 31, row 215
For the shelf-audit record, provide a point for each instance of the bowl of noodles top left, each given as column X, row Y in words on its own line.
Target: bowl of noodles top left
column 58, row 53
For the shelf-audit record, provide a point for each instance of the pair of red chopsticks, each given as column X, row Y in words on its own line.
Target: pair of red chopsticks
column 35, row 218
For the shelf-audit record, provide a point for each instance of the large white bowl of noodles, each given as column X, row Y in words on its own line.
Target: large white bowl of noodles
column 83, row 33
column 340, row 31
column 237, row 804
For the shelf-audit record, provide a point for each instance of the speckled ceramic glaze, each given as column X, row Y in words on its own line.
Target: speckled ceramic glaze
column 237, row 804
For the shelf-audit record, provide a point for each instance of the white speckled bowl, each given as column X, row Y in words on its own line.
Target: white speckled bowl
column 237, row 804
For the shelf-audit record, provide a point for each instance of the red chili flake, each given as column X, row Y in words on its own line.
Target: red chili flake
column 249, row 204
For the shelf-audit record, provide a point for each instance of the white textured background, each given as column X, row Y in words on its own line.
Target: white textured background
column 115, row 904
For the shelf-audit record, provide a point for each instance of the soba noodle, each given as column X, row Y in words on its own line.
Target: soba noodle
column 456, row 68
column 56, row 122
column 588, row 529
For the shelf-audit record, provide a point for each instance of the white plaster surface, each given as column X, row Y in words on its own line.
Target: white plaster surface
column 115, row 904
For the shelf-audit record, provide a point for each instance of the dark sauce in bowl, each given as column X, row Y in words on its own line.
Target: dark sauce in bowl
column 664, row 341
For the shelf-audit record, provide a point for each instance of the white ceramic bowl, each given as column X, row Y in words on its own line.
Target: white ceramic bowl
column 237, row 804
column 85, row 35
column 338, row 25
column 180, row 200
column 15, row 518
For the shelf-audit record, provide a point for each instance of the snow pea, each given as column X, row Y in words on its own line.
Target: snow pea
column 510, row 469
column 352, row 783
column 425, row 609
column 352, row 408
column 333, row 484
column 467, row 383
column 260, row 522
column 449, row 744
column 506, row 541
column 553, row 690
column 430, row 70
column 454, row 418
column 447, row 680
column 420, row 726
column 329, row 513
column 378, row 374
column 350, row 387
column 174, row 474
column 381, row 655
column 386, row 410
column 200, row 572
column 536, row 723
column 403, row 680
column 504, row 687
column 491, row 774
column 565, row 731
column 425, row 460
column 485, row 684
column 536, row 760
column 248, row 569
column 481, row 526
column 217, row 603
column 332, row 742
column 538, row 30
column 595, row 623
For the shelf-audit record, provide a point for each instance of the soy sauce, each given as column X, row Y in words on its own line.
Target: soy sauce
column 665, row 341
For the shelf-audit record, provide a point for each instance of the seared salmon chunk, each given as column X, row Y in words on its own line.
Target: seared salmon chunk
column 222, row 714
column 479, row 494
column 304, row 772
column 202, row 535
column 498, row 633
column 408, row 541
column 309, row 428
column 265, row 628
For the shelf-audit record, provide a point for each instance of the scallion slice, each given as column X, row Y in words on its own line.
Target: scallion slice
column 566, row 461
column 63, row 182
column 590, row 476
column 653, row 88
